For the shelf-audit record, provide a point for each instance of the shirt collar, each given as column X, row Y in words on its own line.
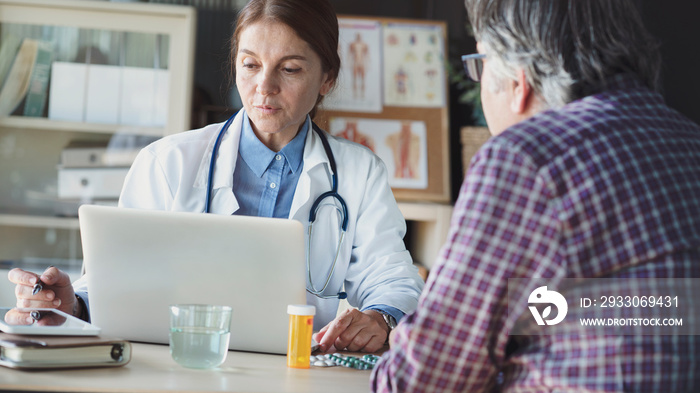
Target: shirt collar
column 258, row 156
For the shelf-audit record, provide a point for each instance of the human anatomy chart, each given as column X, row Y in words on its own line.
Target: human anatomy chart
column 401, row 144
column 359, row 82
column 414, row 69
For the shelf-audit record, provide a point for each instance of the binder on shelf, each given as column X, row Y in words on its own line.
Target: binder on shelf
column 67, row 93
column 144, row 94
column 57, row 352
column 88, row 184
column 102, row 99
column 107, row 94
column 92, row 157
column 88, row 173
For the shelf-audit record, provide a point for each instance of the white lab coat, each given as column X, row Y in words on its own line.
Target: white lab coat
column 374, row 266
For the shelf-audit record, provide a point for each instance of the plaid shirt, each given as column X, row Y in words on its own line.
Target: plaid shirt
column 607, row 186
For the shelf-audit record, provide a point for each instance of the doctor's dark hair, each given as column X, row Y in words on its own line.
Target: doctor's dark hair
column 568, row 48
column 314, row 21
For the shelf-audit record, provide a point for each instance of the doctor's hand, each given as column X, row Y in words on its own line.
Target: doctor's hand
column 355, row 331
column 57, row 290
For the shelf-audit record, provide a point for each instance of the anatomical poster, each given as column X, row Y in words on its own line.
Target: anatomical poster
column 414, row 65
column 359, row 82
column 401, row 144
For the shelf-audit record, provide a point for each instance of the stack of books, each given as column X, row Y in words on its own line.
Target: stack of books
column 45, row 352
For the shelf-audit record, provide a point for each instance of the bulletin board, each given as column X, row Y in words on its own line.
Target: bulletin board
column 392, row 96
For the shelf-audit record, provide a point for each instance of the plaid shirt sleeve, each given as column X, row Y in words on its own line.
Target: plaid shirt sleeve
column 502, row 227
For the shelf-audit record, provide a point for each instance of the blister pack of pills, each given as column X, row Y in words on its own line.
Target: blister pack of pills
column 365, row 362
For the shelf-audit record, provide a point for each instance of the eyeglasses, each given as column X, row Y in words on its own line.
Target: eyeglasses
column 474, row 66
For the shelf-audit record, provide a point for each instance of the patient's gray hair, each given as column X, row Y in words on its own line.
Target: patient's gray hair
column 567, row 48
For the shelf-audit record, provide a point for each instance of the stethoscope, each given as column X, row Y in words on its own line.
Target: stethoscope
column 333, row 194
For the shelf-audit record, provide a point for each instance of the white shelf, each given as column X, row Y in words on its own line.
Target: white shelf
column 29, row 221
column 44, row 124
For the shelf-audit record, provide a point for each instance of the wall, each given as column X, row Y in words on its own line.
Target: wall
column 673, row 22
column 459, row 43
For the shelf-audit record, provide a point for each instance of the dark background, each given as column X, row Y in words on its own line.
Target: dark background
column 672, row 22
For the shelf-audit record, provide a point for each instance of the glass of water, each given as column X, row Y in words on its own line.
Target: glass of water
column 199, row 334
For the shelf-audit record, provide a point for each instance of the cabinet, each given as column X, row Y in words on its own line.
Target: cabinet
column 113, row 45
column 430, row 223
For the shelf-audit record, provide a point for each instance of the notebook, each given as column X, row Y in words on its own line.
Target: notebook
column 140, row 261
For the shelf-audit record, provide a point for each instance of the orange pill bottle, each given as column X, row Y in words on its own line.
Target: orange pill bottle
column 301, row 324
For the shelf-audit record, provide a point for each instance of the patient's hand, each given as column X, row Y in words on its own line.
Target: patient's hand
column 57, row 290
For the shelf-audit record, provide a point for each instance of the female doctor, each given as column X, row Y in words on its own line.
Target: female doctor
column 271, row 160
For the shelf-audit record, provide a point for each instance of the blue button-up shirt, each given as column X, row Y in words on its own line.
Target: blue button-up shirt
column 264, row 181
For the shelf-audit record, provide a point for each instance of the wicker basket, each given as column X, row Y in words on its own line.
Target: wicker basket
column 472, row 138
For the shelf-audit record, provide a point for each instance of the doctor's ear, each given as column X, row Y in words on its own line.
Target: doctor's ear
column 328, row 85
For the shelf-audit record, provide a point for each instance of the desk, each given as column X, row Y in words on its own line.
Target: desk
column 152, row 370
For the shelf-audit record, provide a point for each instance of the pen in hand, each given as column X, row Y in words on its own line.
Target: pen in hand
column 37, row 287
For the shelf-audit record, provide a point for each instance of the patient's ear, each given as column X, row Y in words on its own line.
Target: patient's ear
column 522, row 100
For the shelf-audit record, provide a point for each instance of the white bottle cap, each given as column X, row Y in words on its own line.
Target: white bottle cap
column 301, row 309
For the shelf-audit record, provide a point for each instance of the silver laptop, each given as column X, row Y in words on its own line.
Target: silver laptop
column 140, row 261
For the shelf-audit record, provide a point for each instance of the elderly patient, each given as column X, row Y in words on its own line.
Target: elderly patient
column 588, row 175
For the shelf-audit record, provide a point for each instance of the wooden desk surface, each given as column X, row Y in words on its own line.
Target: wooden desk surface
column 152, row 370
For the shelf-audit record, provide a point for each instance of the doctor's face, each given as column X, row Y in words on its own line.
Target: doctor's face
column 279, row 78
